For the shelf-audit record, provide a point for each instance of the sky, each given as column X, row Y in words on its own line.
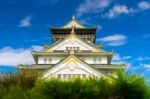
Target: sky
column 123, row 26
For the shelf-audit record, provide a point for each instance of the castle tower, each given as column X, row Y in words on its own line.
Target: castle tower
column 87, row 33
column 73, row 54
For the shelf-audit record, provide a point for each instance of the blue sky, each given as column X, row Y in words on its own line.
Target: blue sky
column 123, row 26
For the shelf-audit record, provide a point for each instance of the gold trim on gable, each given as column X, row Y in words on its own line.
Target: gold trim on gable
column 74, row 59
column 72, row 37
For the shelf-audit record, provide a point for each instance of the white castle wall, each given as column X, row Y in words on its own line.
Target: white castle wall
column 50, row 60
column 56, row 59
column 73, row 44
column 95, row 60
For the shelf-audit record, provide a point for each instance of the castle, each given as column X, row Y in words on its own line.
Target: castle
column 73, row 54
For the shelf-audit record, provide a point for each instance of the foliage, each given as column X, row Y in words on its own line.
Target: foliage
column 73, row 89
column 17, row 84
column 129, row 86
column 27, row 85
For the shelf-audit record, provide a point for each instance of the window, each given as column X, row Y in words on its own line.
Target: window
column 94, row 60
column 83, row 75
column 59, row 76
column 74, row 48
column 73, row 75
column 99, row 60
column 69, row 76
column 50, row 60
column 64, row 76
column 78, row 75
column 67, row 48
column 70, row 48
column 45, row 60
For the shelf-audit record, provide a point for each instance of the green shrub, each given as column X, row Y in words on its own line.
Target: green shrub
column 28, row 85
column 17, row 84
column 73, row 89
column 129, row 86
column 16, row 92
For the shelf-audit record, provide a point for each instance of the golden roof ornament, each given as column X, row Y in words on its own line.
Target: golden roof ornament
column 71, row 52
column 72, row 31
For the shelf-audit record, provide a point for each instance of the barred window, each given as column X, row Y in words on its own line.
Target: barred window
column 84, row 76
column 94, row 59
column 70, row 76
column 67, row 48
column 73, row 75
column 64, row 76
column 45, row 60
column 77, row 48
column 71, row 48
column 59, row 76
column 78, row 75
column 74, row 48
column 99, row 59
column 50, row 60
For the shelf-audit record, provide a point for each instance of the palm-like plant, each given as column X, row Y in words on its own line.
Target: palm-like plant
column 129, row 86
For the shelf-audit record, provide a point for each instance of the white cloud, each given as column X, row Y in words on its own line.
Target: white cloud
column 114, row 40
column 139, row 59
column 126, row 57
column 100, row 7
column 37, row 48
column 25, row 22
column 146, row 66
column 118, row 10
column 92, row 6
column 12, row 57
column 123, row 9
column 142, row 58
column 118, row 59
column 144, row 5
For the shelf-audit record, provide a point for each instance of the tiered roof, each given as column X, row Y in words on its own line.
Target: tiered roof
column 93, row 52
column 59, row 33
